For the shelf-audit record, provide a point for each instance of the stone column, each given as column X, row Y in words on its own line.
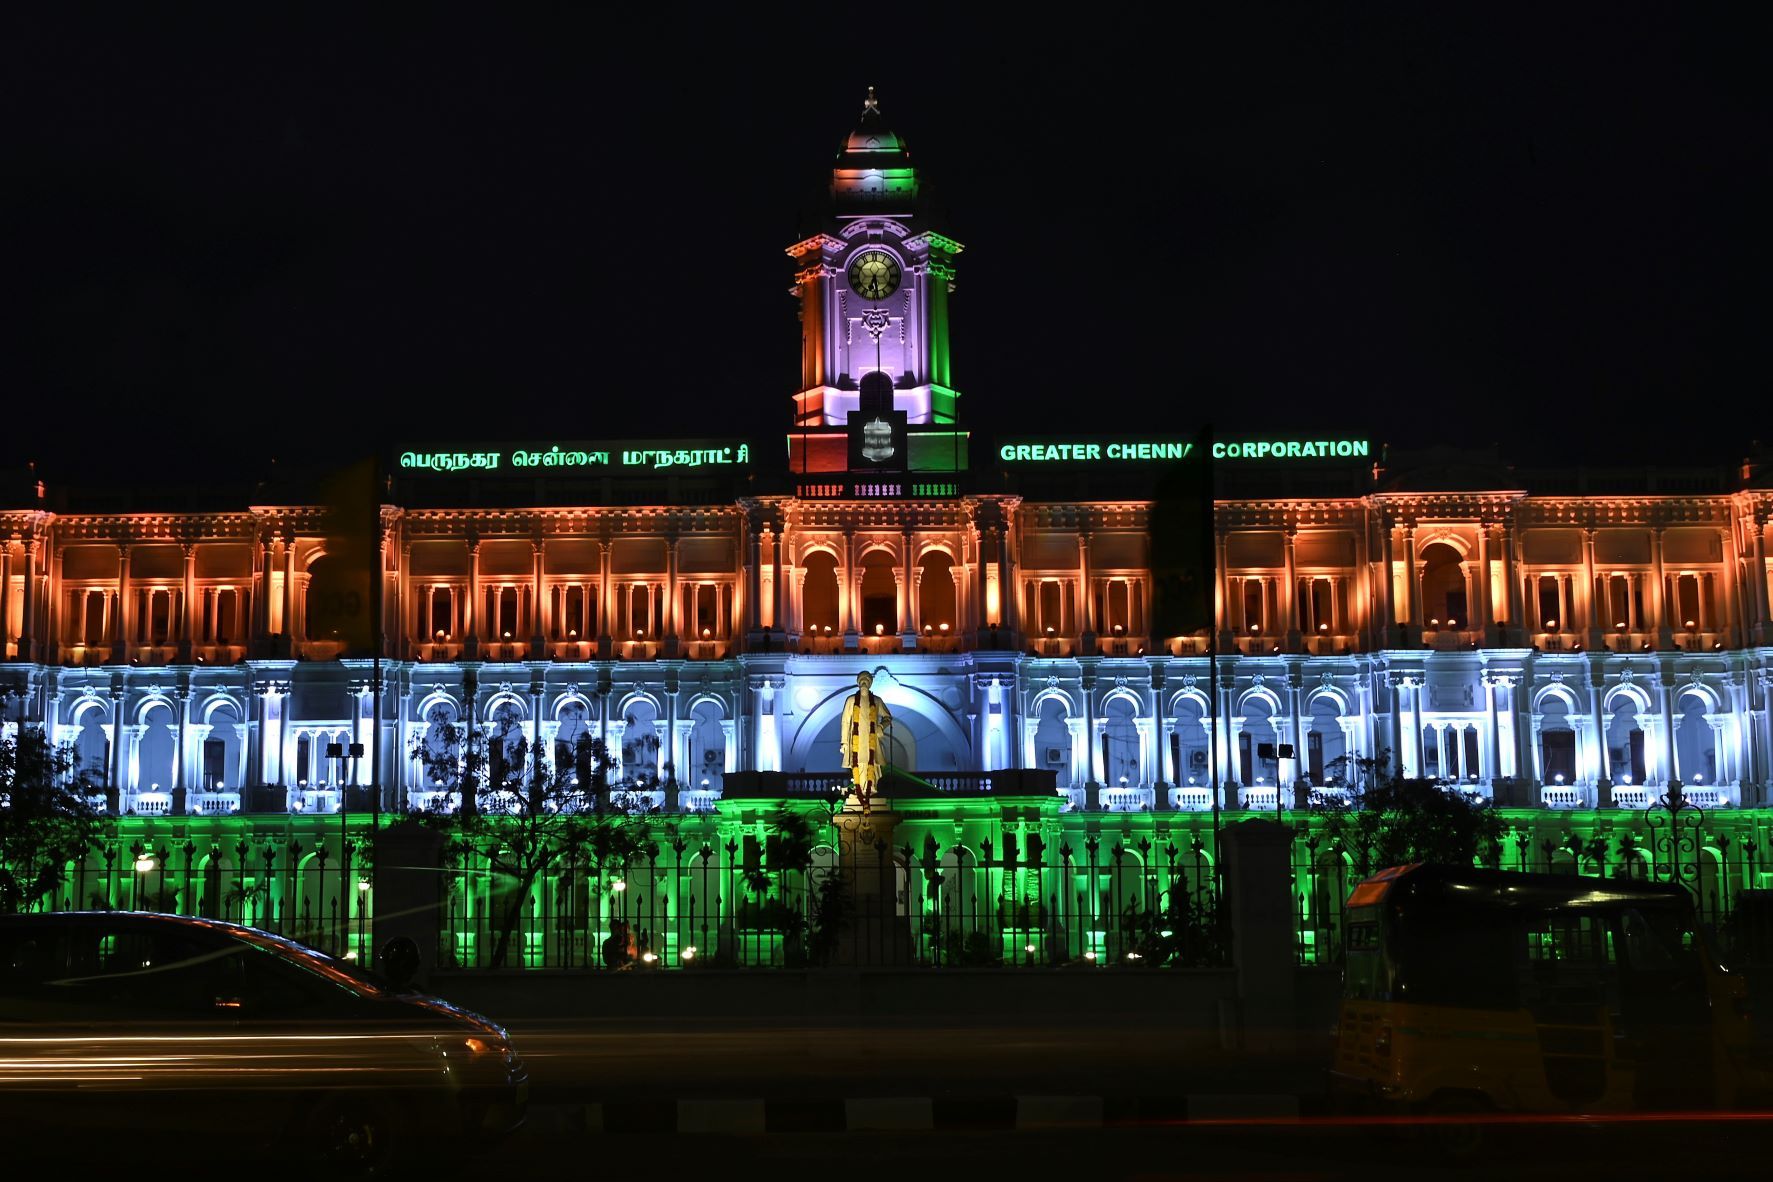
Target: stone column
column 125, row 614
column 1387, row 624
column 606, row 592
column 258, row 638
column 1671, row 770
column 1661, row 611
column 1512, row 586
column 1396, row 682
column 1092, row 746
column 289, row 592
column 27, row 632
column 1290, row 597
column 1486, row 615
column 753, row 576
column 1415, row 684
column 906, row 581
column 914, row 594
column 1758, row 582
column 1494, row 746
column 846, row 587
column 1222, row 739
column 1222, row 585
column 188, row 616
column 118, row 735
column 364, row 767
column 1158, row 730
column 471, row 622
column 1592, row 612
column 1414, row 588
column 52, row 628
column 1084, row 588
column 1009, row 587
column 778, row 596
column 538, row 608
column 6, row 598
column 253, row 726
column 1301, row 770
column 671, row 625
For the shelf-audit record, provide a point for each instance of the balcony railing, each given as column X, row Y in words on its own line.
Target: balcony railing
column 212, row 804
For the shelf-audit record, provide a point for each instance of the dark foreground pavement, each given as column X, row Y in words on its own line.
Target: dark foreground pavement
column 624, row 1062
column 1270, row 1152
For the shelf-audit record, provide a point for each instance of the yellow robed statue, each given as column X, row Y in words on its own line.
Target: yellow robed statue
column 863, row 744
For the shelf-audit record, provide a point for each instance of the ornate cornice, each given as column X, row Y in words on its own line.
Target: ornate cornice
column 817, row 243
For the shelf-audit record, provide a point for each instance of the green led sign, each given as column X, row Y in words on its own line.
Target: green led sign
column 1107, row 451
column 641, row 455
column 1293, row 449
column 1094, row 451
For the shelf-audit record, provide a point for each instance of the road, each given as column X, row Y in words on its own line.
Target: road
column 691, row 1058
column 1147, row 1152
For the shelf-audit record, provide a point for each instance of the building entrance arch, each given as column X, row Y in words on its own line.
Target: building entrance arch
column 924, row 738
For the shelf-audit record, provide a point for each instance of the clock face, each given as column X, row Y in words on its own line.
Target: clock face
column 874, row 275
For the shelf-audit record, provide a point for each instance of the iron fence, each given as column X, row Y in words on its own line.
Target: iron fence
column 309, row 891
column 741, row 902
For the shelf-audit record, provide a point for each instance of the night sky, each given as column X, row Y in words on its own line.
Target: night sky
column 227, row 242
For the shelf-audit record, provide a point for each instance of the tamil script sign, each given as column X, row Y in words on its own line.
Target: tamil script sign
column 639, row 455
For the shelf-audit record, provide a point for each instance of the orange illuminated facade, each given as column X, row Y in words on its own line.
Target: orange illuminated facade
column 1556, row 639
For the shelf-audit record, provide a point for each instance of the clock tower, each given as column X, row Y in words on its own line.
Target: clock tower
column 876, row 395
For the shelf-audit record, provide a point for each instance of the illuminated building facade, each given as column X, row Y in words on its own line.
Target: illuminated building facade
column 1560, row 645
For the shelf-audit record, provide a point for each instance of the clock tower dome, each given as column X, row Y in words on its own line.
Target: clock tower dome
column 875, row 391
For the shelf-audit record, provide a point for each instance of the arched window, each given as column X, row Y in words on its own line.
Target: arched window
column 440, row 751
column 880, row 606
column 221, row 750
column 1257, row 732
column 1325, row 746
column 818, row 607
column 335, row 599
column 1120, row 744
column 1188, row 744
column 1557, row 742
column 154, row 755
column 707, row 747
column 506, row 746
column 442, row 617
column 935, row 591
column 1625, row 743
column 91, row 747
column 1052, row 741
column 640, row 744
column 572, row 744
column 1443, row 588
column 1696, row 754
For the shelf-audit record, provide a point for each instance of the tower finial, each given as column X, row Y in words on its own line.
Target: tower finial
column 873, row 104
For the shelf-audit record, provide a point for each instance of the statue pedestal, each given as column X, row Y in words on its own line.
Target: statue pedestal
column 878, row 932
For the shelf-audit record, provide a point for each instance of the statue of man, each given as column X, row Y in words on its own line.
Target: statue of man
column 863, row 742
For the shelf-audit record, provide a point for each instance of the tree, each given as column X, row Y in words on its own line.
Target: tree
column 46, row 820
column 1393, row 821
column 523, row 818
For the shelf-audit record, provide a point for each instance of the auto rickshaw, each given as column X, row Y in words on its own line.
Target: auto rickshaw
column 1469, row 990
